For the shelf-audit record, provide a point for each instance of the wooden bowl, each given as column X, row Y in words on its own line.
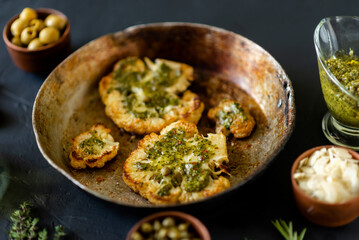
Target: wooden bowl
column 320, row 212
column 226, row 65
column 197, row 225
column 45, row 58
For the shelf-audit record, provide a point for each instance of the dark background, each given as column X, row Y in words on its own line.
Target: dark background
column 284, row 28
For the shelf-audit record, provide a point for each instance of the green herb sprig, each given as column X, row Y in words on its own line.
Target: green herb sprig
column 287, row 230
column 24, row 226
column 59, row 232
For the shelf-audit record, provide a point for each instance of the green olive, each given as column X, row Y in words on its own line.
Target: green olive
column 156, row 225
column 136, row 236
column 55, row 21
column 27, row 35
column 146, row 227
column 49, row 35
column 16, row 40
column 184, row 234
column 183, row 226
column 28, row 14
column 17, row 26
column 168, row 222
column 174, row 233
column 37, row 24
column 162, row 233
column 34, row 44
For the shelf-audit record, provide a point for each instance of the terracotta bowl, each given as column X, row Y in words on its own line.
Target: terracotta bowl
column 45, row 58
column 197, row 225
column 319, row 212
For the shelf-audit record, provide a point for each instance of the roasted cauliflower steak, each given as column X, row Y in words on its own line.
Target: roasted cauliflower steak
column 177, row 166
column 145, row 96
column 232, row 117
column 93, row 148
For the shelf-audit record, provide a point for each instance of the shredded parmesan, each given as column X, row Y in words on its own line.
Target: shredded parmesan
column 330, row 175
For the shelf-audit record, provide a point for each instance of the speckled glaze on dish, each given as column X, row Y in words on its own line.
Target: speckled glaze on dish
column 319, row 212
column 226, row 65
column 198, row 226
column 44, row 59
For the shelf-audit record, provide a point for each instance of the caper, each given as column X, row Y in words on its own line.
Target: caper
column 16, row 40
column 34, row 44
column 55, row 21
column 165, row 171
column 17, row 26
column 146, row 227
column 136, row 236
column 178, row 177
column 168, row 222
column 28, row 14
column 174, row 233
column 27, row 35
column 37, row 24
column 156, row 225
column 49, row 35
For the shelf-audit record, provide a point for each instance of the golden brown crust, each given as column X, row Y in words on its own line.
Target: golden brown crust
column 190, row 107
column 242, row 129
column 143, row 183
column 93, row 155
column 242, row 124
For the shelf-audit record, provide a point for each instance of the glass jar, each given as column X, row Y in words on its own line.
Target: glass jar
column 341, row 124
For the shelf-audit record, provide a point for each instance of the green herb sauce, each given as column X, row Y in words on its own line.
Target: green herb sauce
column 165, row 190
column 342, row 106
column 170, row 152
column 89, row 145
column 345, row 67
column 142, row 165
column 197, row 178
column 153, row 84
column 226, row 118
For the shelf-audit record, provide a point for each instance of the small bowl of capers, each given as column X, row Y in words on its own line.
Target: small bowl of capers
column 37, row 39
column 169, row 225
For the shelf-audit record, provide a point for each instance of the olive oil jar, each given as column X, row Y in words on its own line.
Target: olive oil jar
column 336, row 43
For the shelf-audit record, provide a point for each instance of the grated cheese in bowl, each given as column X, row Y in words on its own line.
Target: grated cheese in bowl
column 330, row 175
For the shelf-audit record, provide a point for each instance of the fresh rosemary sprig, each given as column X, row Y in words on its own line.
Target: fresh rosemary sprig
column 24, row 227
column 287, row 230
column 59, row 232
column 43, row 234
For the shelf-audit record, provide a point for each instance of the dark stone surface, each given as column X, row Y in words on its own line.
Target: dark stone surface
column 284, row 28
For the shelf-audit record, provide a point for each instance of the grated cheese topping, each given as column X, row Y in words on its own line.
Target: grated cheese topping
column 330, row 175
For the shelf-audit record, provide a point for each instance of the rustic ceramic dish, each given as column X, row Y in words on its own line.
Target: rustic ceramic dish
column 44, row 59
column 226, row 65
column 319, row 212
column 197, row 225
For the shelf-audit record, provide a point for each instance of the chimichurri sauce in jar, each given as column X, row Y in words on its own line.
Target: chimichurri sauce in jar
column 345, row 67
column 344, row 107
